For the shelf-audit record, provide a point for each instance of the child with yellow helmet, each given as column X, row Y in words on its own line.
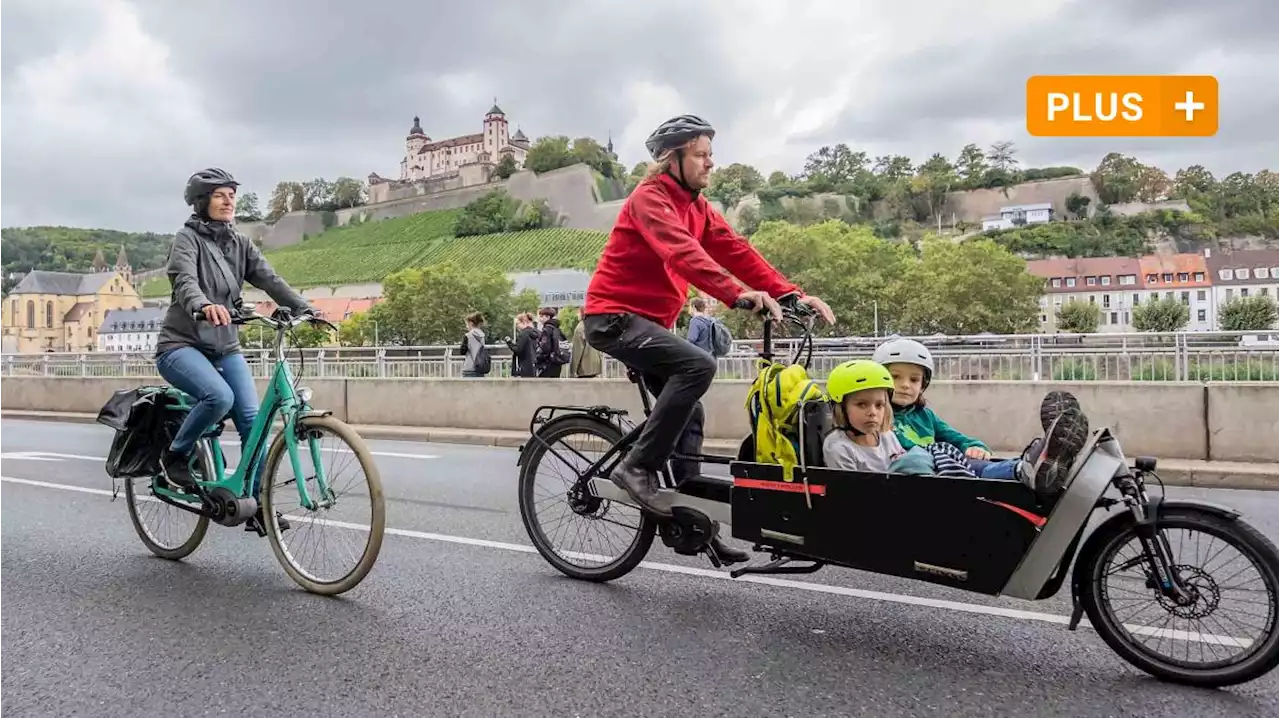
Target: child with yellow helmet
column 863, row 439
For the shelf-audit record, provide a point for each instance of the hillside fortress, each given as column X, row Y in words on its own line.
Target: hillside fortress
column 436, row 165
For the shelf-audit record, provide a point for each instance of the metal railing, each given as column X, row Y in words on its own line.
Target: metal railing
column 1183, row 356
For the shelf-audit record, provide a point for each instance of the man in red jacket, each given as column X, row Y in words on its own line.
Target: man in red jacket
column 668, row 236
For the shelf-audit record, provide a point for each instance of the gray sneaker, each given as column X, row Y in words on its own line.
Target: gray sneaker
column 1047, row 469
column 1053, row 404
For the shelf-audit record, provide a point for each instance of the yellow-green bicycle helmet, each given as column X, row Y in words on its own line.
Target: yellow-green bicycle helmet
column 857, row 375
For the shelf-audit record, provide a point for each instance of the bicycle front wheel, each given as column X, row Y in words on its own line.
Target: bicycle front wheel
column 1225, row 635
column 330, row 547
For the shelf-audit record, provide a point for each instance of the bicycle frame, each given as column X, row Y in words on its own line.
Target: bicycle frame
column 281, row 398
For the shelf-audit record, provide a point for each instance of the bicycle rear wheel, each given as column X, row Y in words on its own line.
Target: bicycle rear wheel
column 1225, row 636
column 359, row 529
column 565, row 450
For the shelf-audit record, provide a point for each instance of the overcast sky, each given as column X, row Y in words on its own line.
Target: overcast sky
column 108, row 105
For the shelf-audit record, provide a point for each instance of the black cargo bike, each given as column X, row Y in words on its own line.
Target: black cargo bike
column 987, row 536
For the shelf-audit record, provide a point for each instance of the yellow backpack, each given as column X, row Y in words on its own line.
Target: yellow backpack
column 772, row 406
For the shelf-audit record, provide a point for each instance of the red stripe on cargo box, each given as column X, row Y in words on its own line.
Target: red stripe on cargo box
column 793, row 488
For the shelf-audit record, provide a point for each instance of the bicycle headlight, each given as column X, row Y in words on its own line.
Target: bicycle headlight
column 304, row 394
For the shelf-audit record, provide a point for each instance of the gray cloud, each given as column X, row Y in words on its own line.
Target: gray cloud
column 107, row 107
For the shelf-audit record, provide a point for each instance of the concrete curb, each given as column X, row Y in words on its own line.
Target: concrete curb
column 1173, row 472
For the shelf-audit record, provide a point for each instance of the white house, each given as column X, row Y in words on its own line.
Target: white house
column 1243, row 273
column 131, row 330
column 1019, row 214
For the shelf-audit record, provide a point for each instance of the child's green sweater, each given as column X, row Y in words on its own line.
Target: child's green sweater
column 919, row 426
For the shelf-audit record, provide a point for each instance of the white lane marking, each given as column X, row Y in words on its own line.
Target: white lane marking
column 724, row 576
column 44, row 455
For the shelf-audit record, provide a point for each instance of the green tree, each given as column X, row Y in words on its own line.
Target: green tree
column 1001, row 155
column 847, row 266
column 832, row 167
column 549, row 153
column 1161, row 315
column 1118, row 178
column 730, row 184
column 487, row 214
column 427, row 305
column 317, row 194
column 968, row 288
column 247, row 208
column 347, row 192
column 359, row 330
column 506, row 167
column 971, row 165
column 778, row 178
column 1077, row 317
column 591, row 153
column 1243, row 314
column 935, row 179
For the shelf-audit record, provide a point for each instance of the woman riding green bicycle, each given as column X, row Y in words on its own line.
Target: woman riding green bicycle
column 667, row 237
column 208, row 264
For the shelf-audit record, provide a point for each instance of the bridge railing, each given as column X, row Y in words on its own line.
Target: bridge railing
column 1217, row 356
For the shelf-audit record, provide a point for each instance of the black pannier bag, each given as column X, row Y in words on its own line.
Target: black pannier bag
column 144, row 427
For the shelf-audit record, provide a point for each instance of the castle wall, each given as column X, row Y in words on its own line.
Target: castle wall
column 972, row 205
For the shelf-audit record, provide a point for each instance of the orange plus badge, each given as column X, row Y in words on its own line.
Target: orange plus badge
column 1122, row 105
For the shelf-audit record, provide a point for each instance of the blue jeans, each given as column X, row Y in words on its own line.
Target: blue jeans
column 994, row 469
column 218, row 386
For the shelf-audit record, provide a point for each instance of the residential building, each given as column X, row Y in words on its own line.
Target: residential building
column 1184, row 277
column 61, row 311
column 1242, row 273
column 1019, row 214
column 131, row 330
column 555, row 287
column 1113, row 283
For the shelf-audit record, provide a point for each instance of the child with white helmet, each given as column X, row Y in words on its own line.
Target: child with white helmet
column 915, row 424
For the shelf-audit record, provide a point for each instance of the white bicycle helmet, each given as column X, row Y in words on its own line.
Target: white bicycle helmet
column 905, row 351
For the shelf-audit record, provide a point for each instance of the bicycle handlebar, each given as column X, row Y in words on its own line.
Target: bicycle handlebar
column 793, row 312
column 282, row 317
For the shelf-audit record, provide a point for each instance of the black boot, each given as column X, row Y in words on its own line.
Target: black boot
column 255, row 523
column 727, row 554
column 177, row 469
column 641, row 486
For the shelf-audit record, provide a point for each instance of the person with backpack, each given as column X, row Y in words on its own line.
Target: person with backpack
column 707, row 332
column 475, row 361
column 552, row 355
column 523, row 348
column 668, row 236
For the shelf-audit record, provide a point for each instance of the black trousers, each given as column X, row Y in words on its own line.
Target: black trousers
column 675, row 371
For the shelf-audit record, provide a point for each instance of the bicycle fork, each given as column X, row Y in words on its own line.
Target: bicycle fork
column 326, row 495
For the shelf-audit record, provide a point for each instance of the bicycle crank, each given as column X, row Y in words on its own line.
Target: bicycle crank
column 228, row 509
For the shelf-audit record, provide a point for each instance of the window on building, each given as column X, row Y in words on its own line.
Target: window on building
column 1186, row 298
column 1230, row 292
column 1093, row 299
column 1244, row 291
column 1113, row 318
column 1090, row 281
column 1055, row 282
column 1182, row 276
column 1275, row 272
column 1106, row 301
column 1224, row 274
column 1200, row 296
column 1128, row 280
column 1126, row 317
column 48, row 314
column 1106, row 281
column 1242, row 273
column 1151, row 278
column 1071, row 281
column 31, row 314
column 1167, row 277
column 1200, row 314
column 1259, row 272
column 1137, row 299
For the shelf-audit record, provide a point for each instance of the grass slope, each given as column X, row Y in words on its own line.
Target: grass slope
column 369, row 252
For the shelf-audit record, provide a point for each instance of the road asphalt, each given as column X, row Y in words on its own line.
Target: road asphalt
column 461, row 617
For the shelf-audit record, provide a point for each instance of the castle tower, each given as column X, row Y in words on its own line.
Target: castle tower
column 411, row 167
column 123, row 267
column 495, row 129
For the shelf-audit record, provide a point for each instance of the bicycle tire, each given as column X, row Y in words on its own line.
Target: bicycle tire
column 1240, row 536
column 639, row 546
column 377, row 525
column 182, row 550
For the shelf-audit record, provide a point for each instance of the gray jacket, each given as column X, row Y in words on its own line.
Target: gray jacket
column 198, row 280
column 472, row 340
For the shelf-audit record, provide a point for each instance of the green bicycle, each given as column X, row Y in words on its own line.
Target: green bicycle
column 147, row 418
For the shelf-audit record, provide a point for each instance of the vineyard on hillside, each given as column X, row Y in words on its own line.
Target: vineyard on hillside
column 369, row 252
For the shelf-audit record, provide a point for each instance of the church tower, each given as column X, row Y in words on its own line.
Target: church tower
column 123, row 267
column 495, row 129
column 413, row 165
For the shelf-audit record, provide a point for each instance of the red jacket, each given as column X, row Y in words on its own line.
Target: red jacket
column 665, row 240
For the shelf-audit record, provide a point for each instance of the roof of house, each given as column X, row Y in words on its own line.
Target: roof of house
column 1175, row 264
column 1027, row 207
column 77, row 312
column 1081, row 267
column 143, row 319
column 453, row 142
column 1242, row 259
column 62, row 283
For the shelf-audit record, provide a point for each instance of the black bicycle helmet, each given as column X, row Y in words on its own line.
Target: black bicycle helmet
column 676, row 132
column 204, row 182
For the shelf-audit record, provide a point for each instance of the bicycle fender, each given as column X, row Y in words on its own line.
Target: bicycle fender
column 535, row 437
